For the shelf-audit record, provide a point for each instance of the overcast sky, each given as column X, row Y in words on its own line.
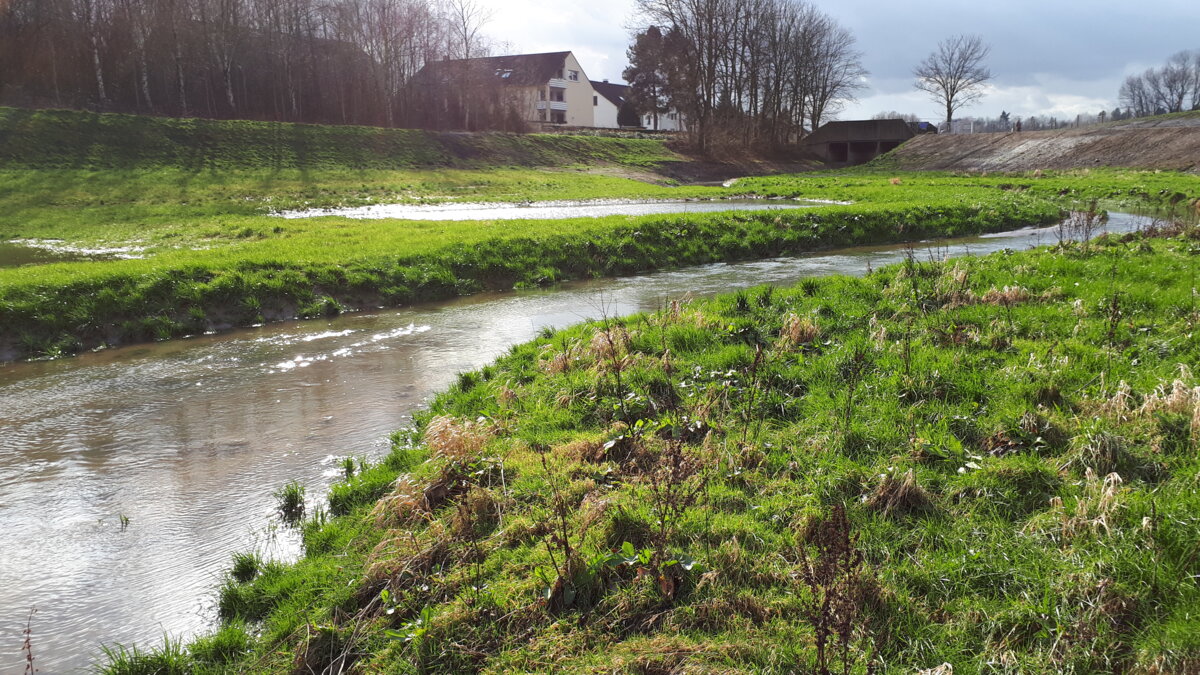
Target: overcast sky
column 1049, row 57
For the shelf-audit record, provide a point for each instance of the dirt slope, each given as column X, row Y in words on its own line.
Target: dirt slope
column 1161, row 143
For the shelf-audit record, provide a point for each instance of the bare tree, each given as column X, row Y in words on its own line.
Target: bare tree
column 954, row 74
column 836, row 71
column 751, row 70
column 1136, row 96
column 896, row 115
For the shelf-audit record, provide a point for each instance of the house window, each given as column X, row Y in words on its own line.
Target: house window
column 573, row 75
column 541, row 94
column 542, row 115
column 558, row 117
column 557, row 95
column 595, row 100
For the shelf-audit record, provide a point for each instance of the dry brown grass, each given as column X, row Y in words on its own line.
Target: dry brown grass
column 952, row 288
column 403, row 559
column 554, row 362
column 1009, row 296
column 476, row 510
column 798, row 331
column 1094, row 509
column 584, row 450
column 1117, row 406
column 1178, row 398
column 454, row 441
column 899, row 496
column 507, row 395
column 609, row 345
column 457, row 439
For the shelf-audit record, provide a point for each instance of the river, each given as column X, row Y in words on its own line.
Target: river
column 187, row 439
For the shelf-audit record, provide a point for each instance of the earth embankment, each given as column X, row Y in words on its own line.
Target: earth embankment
column 1168, row 143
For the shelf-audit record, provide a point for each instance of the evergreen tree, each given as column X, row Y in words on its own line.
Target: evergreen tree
column 646, row 74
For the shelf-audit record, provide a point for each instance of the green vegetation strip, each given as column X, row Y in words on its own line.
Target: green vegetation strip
column 46, row 139
column 214, row 257
column 62, row 308
column 194, row 198
column 987, row 462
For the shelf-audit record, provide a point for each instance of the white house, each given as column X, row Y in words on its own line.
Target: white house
column 550, row 87
column 671, row 120
column 608, row 99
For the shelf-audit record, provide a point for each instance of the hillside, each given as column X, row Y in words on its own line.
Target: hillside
column 1170, row 142
column 63, row 139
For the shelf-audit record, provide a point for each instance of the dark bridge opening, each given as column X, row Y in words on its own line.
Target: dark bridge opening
column 858, row 142
column 839, row 152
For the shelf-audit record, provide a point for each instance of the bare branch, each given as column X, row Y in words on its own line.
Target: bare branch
column 954, row 74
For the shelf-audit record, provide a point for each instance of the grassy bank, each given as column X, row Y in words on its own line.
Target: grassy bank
column 987, row 462
column 62, row 308
column 67, row 139
column 212, row 256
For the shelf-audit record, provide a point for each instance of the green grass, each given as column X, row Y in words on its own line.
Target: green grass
column 214, row 257
column 1012, row 439
column 63, row 139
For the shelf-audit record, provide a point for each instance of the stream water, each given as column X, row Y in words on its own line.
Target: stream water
column 549, row 210
column 187, row 439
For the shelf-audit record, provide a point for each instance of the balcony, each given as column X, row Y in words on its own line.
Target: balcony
column 552, row 105
column 558, row 83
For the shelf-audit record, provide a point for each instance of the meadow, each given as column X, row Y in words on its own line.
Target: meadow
column 193, row 200
column 988, row 462
column 213, row 256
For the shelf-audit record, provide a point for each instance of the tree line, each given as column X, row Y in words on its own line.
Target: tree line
column 320, row 61
column 748, row 71
column 1172, row 87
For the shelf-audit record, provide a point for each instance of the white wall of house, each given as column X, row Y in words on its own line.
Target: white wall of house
column 669, row 121
column 580, row 111
column 566, row 99
column 605, row 113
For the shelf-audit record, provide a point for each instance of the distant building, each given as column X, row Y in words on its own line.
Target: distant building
column 609, row 100
column 858, row 141
column 550, row 87
column 672, row 120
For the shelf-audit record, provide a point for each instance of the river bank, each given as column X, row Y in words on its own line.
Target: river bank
column 999, row 448
column 189, row 438
column 208, row 254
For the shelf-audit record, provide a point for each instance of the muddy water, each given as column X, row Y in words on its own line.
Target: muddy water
column 548, row 210
column 187, row 439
